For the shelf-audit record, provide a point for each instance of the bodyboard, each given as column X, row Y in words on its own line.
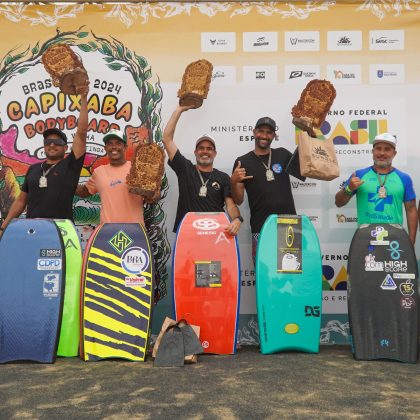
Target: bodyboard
column 31, row 290
column 289, row 285
column 68, row 344
column 117, row 293
column 206, row 280
column 383, row 294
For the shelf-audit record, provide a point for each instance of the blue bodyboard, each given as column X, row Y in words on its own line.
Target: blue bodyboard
column 289, row 285
column 31, row 290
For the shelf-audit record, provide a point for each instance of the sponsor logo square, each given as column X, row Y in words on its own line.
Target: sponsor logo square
column 260, row 41
column 301, row 41
column 345, row 218
column 386, row 40
column 260, row 75
column 296, row 74
column 224, row 75
column 344, row 40
column 344, row 74
column 218, row 42
column 386, row 73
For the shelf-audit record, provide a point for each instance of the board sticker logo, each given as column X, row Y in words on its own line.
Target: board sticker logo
column 407, row 288
column 132, row 281
column 312, row 311
column 49, row 264
column 291, row 328
column 50, row 287
column 388, row 283
column 395, row 250
column 379, row 234
column 120, row 241
column 135, row 260
column 206, row 224
column 408, row 303
column 372, row 265
column 49, row 253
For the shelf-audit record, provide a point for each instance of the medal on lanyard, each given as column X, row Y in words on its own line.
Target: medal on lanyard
column 43, row 182
column 203, row 191
column 203, row 188
column 382, row 189
column 269, row 175
column 382, row 192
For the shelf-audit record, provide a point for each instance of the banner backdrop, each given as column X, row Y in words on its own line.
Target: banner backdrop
column 263, row 55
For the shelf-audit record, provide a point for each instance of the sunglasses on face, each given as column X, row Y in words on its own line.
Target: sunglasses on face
column 56, row 142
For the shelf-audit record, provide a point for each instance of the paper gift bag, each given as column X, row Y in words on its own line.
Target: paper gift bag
column 317, row 158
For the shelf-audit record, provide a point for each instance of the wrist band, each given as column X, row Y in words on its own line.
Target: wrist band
column 348, row 191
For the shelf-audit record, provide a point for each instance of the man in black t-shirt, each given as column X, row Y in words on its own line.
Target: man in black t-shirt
column 262, row 173
column 49, row 187
column 202, row 188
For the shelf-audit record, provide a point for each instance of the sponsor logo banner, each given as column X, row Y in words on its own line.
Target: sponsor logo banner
column 260, row 41
column 218, row 42
column 343, row 217
column 260, row 75
column 344, row 74
column 49, row 264
column 224, row 75
column 310, row 186
column 386, row 40
column 301, row 74
column 344, row 40
column 301, row 41
column 386, row 73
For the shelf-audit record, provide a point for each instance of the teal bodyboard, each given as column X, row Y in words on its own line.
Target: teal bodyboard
column 289, row 285
column 68, row 345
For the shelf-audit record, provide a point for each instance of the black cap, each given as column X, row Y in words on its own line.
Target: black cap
column 266, row 121
column 56, row 131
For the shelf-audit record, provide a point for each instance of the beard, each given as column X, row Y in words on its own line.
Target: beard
column 384, row 164
column 265, row 145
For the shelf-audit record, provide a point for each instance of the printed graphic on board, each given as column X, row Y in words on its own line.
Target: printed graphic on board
column 208, row 274
column 289, row 245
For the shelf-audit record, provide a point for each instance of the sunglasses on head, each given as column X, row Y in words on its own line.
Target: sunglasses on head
column 56, row 142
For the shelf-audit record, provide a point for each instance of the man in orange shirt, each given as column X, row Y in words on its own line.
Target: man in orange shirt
column 118, row 205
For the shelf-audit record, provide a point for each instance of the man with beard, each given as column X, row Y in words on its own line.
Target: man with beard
column 118, row 205
column 202, row 188
column 262, row 173
column 381, row 189
column 49, row 187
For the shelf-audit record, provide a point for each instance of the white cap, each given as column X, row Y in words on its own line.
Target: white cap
column 387, row 138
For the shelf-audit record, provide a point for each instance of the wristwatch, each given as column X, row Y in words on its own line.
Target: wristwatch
column 240, row 218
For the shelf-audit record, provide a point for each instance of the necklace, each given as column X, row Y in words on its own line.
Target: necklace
column 203, row 188
column 43, row 183
column 268, row 172
column 382, row 189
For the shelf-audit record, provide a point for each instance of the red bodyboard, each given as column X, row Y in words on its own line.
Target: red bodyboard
column 206, row 280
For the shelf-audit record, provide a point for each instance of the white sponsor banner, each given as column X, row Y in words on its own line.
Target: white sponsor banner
column 224, row 75
column 260, row 75
column 260, row 41
column 343, row 218
column 344, row 40
column 301, row 41
column 386, row 40
column 344, row 73
column 301, row 74
column 386, row 73
column 218, row 42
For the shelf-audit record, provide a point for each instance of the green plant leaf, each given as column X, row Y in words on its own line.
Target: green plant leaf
column 109, row 59
column 82, row 34
column 35, row 49
column 115, row 66
column 142, row 62
column 85, row 47
column 147, row 74
column 23, row 70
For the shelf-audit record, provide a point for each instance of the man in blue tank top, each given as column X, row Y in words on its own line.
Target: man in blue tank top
column 381, row 189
